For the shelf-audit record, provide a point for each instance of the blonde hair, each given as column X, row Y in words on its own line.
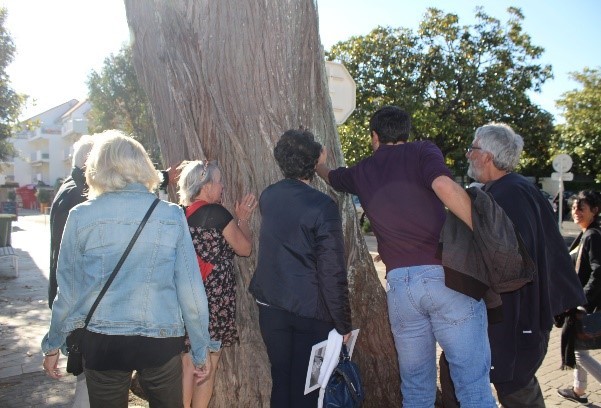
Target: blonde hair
column 194, row 175
column 81, row 149
column 117, row 160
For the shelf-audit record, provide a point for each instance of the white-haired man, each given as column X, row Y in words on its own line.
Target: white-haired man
column 519, row 341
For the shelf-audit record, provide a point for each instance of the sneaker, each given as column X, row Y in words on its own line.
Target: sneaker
column 568, row 393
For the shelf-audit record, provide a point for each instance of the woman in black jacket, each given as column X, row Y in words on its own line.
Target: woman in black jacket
column 300, row 282
column 586, row 254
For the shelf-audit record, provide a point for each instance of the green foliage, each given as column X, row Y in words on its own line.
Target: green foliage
column 44, row 195
column 580, row 135
column 452, row 78
column 10, row 102
column 119, row 102
column 366, row 227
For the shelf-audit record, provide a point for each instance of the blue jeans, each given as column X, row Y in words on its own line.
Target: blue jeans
column 423, row 311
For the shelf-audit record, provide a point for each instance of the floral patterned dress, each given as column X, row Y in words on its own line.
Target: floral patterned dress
column 206, row 227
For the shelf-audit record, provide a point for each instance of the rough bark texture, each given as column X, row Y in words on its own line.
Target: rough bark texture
column 225, row 79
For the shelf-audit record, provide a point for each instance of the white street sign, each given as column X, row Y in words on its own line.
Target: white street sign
column 562, row 176
column 562, row 163
column 342, row 90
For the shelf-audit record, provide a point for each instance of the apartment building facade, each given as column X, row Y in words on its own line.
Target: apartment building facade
column 44, row 149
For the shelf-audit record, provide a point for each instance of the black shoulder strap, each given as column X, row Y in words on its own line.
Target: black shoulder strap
column 120, row 263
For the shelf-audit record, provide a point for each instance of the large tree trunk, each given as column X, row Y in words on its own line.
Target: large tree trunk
column 225, row 79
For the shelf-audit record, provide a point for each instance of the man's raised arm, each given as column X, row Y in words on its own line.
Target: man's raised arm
column 454, row 198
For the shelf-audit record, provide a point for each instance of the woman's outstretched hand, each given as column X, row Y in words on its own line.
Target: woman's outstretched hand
column 245, row 207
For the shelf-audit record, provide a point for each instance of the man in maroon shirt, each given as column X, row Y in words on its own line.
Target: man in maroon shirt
column 404, row 187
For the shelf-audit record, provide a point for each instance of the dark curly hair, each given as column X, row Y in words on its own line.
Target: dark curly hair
column 296, row 153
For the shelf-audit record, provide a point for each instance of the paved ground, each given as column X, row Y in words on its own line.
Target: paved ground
column 24, row 317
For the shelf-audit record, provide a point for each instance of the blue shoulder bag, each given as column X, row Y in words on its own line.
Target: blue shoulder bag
column 344, row 389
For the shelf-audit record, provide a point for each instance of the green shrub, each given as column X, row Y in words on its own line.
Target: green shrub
column 44, row 195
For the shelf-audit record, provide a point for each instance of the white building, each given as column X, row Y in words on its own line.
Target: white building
column 44, row 149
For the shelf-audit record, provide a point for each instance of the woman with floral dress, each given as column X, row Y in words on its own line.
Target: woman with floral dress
column 217, row 236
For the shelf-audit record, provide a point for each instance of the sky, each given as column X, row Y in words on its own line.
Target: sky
column 59, row 42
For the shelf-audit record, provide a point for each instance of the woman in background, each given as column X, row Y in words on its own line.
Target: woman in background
column 217, row 237
column 586, row 254
column 139, row 323
column 300, row 281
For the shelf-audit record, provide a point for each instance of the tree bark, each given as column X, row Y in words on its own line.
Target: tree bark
column 225, row 79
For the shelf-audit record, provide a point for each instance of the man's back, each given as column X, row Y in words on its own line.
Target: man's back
column 394, row 187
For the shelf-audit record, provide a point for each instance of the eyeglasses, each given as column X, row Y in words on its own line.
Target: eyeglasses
column 471, row 148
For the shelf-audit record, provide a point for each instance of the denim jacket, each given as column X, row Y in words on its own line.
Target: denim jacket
column 157, row 289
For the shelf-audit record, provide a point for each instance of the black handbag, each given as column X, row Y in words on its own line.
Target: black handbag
column 344, row 388
column 587, row 331
column 75, row 338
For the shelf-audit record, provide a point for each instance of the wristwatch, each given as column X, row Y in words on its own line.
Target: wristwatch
column 51, row 353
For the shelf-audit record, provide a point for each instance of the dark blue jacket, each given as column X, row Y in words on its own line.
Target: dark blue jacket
column 70, row 193
column 301, row 266
column 519, row 342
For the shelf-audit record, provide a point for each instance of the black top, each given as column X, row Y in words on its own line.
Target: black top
column 210, row 216
column 589, row 268
column 301, row 266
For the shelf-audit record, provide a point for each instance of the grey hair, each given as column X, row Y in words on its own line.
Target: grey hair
column 117, row 160
column 502, row 142
column 81, row 150
column 194, row 175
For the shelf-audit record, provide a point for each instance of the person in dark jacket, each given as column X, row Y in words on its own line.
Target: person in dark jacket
column 519, row 343
column 586, row 255
column 300, row 282
column 69, row 194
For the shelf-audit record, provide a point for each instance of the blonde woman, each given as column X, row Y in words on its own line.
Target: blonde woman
column 139, row 323
column 217, row 237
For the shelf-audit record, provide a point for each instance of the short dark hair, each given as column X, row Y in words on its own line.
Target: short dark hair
column 391, row 123
column 297, row 153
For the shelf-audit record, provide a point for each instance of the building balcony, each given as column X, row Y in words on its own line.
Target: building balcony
column 39, row 157
column 42, row 133
column 75, row 127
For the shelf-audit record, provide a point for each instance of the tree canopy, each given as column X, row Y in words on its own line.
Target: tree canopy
column 452, row 78
column 10, row 101
column 119, row 102
column 580, row 135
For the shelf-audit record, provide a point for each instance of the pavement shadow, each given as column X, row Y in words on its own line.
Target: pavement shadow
column 24, row 318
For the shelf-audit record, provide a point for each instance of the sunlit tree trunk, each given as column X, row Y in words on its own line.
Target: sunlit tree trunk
column 225, row 79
